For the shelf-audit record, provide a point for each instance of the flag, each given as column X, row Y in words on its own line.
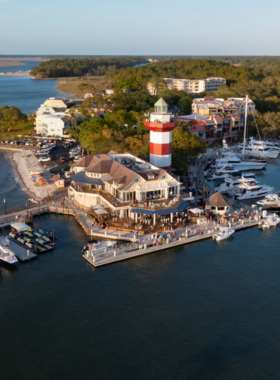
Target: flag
column 4, row 200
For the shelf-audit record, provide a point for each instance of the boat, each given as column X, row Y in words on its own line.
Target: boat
column 88, row 243
column 27, row 233
column 6, row 254
column 275, row 206
column 260, row 143
column 269, row 200
column 37, row 234
column 246, row 191
column 232, row 184
column 101, row 246
column 41, row 241
column 229, row 158
column 221, row 174
column 223, row 233
column 257, row 150
column 271, row 220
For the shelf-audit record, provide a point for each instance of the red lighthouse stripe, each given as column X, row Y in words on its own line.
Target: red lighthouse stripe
column 160, row 149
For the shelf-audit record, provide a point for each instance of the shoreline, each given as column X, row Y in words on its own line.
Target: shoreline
column 15, row 74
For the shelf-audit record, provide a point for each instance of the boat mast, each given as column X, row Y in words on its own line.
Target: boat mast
column 245, row 124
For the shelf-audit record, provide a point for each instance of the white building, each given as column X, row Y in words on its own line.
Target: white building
column 190, row 85
column 52, row 125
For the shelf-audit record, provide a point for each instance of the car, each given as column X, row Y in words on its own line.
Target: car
column 62, row 159
column 43, row 159
column 12, row 142
column 66, row 145
column 29, row 143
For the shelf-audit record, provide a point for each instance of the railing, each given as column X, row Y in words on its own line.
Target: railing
column 105, row 196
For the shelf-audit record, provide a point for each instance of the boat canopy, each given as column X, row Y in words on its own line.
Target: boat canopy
column 20, row 226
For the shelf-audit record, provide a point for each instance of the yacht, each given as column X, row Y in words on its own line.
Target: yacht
column 275, row 147
column 258, row 149
column 246, row 191
column 231, row 184
column 268, row 200
column 231, row 159
column 6, row 254
column 221, row 174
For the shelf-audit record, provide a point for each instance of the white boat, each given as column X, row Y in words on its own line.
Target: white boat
column 260, row 143
column 272, row 220
column 258, row 150
column 246, row 191
column 223, row 233
column 101, row 246
column 231, row 184
column 221, row 174
column 6, row 254
column 268, row 200
column 229, row 158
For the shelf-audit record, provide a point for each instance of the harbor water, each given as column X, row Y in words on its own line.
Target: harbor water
column 203, row 311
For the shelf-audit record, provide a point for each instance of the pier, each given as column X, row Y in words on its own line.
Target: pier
column 145, row 245
column 23, row 254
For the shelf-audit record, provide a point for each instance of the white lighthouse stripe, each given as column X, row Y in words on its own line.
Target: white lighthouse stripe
column 160, row 161
column 160, row 137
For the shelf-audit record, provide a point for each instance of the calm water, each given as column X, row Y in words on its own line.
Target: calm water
column 204, row 311
column 23, row 92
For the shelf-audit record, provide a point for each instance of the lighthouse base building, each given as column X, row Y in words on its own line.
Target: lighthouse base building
column 160, row 127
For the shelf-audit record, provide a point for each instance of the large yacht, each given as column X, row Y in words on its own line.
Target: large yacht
column 268, row 200
column 274, row 146
column 221, row 173
column 232, row 160
column 231, row 184
column 6, row 254
column 257, row 149
column 247, row 191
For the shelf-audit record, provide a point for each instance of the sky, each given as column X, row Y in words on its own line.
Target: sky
column 143, row 27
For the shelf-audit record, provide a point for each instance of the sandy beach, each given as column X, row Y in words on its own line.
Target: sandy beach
column 23, row 162
column 15, row 74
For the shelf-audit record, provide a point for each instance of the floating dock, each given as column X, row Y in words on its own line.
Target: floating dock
column 23, row 254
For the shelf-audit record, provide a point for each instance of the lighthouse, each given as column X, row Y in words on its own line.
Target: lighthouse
column 160, row 127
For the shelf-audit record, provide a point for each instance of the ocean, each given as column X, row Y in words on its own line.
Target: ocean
column 22, row 91
column 203, row 311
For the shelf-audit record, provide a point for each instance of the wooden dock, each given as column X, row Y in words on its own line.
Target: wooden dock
column 144, row 248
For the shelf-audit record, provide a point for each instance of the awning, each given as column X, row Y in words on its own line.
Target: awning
column 19, row 226
column 142, row 211
column 183, row 205
column 167, row 211
column 196, row 210
column 226, row 121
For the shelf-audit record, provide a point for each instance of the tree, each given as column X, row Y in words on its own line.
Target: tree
column 185, row 104
column 85, row 88
column 10, row 117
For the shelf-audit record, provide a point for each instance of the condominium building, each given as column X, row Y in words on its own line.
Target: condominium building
column 189, row 85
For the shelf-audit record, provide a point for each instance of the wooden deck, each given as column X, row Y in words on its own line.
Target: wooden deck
column 102, row 259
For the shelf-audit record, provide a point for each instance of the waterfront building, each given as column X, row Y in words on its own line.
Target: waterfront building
column 160, row 125
column 43, row 111
column 52, row 125
column 124, row 184
column 211, row 127
column 218, row 204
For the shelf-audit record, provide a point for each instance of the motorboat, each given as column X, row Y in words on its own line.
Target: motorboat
column 229, row 158
column 101, row 246
column 223, row 233
column 88, row 244
column 232, row 184
column 246, row 191
column 6, row 254
column 269, row 200
column 257, row 150
column 222, row 173
column 271, row 220
column 275, row 206
column 272, row 146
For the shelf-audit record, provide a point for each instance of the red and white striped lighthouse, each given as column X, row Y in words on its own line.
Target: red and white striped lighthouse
column 160, row 127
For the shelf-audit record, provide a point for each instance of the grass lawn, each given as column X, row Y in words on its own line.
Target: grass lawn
column 19, row 129
column 69, row 85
